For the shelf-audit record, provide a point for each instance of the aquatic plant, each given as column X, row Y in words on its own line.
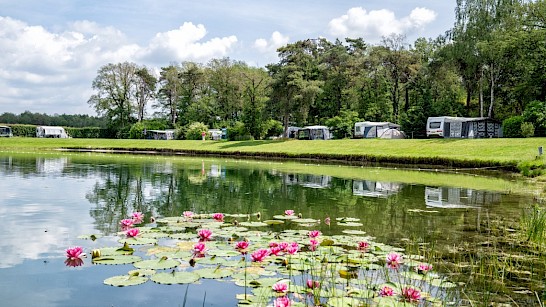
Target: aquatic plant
column 288, row 267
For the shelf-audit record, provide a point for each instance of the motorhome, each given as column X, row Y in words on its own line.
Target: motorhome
column 51, row 132
column 314, row 133
column 5, row 131
column 463, row 127
column 159, row 134
column 373, row 129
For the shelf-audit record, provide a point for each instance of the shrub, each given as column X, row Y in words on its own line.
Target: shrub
column 87, row 132
column 23, row 130
column 137, row 129
column 527, row 130
column 238, row 132
column 273, row 128
column 511, row 127
column 194, row 130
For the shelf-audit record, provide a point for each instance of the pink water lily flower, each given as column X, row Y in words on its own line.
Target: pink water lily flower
column 283, row 246
column 363, row 246
column 74, row 252
column 204, row 234
column 313, row 244
column 274, row 250
column 386, row 291
column 127, row 223
column 423, row 268
column 327, row 221
column 313, row 234
column 242, row 246
column 292, row 249
column 199, row 249
column 218, row 217
column 313, row 284
column 259, row 255
column 394, row 260
column 411, row 294
column 187, row 214
column 133, row 232
column 289, row 212
column 280, row 287
column 282, row 302
column 137, row 217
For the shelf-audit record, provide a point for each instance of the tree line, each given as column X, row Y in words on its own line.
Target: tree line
column 491, row 63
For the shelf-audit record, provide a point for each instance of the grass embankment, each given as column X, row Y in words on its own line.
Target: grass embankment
column 507, row 154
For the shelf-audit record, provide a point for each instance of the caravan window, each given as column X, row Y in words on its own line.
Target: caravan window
column 434, row 125
column 357, row 129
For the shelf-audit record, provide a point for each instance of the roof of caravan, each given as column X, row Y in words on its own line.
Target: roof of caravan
column 315, row 127
column 377, row 124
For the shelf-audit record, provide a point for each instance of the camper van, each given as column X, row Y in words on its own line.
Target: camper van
column 5, row 131
column 51, row 132
column 463, row 127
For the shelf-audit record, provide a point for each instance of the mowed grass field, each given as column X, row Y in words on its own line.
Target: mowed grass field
column 481, row 152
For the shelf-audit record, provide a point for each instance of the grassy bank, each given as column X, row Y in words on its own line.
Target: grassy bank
column 508, row 154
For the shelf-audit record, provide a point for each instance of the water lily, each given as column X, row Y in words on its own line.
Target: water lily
column 137, row 217
column 283, row 246
column 274, row 250
column 423, row 268
column 242, row 246
column 293, row 248
column 394, row 260
column 327, row 221
column 127, row 223
column 313, row 284
column 133, row 232
column 313, row 234
column 74, row 252
column 199, row 249
column 218, row 217
column 204, row 234
column 280, row 287
column 187, row 214
column 386, row 291
column 411, row 294
column 282, row 302
column 259, row 255
column 363, row 246
column 313, row 244
column 289, row 212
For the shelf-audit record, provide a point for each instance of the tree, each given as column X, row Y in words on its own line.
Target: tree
column 115, row 98
column 255, row 82
column 169, row 92
column 145, row 90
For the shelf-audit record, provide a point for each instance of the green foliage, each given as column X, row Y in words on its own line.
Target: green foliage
column 64, row 120
column 88, row 132
column 535, row 113
column 273, row 128
column 238, row 132
column 527, row 130
column 23, row 130
column 511, row 127
column 534, row 224
column 194, row 131
column 342, row 126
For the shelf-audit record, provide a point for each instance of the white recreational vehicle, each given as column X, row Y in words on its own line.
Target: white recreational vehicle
column 314, row 133
column 463, row 127
column 51, row 132
column 5, row 131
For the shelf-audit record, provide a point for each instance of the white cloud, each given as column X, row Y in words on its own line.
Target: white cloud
column 372, row 25
column 275, row 41
column 184, row 44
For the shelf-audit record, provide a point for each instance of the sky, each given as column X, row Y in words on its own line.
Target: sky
column 51, row 50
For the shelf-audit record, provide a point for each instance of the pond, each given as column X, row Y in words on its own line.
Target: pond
column 49, row 200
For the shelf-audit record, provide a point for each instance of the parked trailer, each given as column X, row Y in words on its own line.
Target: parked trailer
column 463, row 127
column 314, row 133
column 373, row 129
column 5, row 131
column 51, row 132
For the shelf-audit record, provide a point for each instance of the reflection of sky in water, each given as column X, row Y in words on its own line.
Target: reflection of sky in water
column 41, row 216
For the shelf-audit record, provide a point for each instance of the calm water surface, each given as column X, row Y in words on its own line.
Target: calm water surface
column 47, row 201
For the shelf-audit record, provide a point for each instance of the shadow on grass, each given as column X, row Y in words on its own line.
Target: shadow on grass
column 235, row 144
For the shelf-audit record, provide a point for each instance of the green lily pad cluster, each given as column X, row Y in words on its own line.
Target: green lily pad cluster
column 347, row 269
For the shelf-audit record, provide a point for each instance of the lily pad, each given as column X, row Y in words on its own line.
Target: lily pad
column 138, row 241
column 306, row 221
column 354, row 232
column 214, row 273
column 157, row 264
column 125, row 280
column 142, row 272
column 116, row 259
column 253, row 224
column 175, row 278
column 285, row 217
column 351, row 224
column 274, row 222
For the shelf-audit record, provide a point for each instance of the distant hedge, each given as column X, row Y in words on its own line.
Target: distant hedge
column 86, row 132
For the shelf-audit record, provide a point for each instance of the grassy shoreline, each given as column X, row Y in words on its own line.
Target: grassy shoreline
column 512, row 155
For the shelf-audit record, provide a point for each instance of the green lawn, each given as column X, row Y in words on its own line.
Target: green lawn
column 448, row 152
